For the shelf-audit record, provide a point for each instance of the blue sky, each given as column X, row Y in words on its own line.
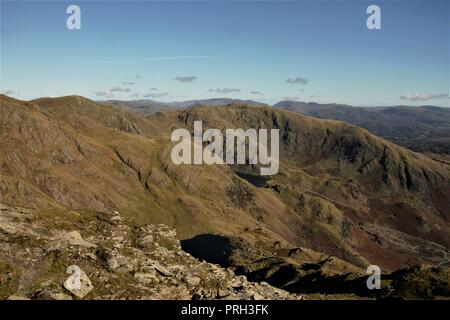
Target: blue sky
column 170, row 51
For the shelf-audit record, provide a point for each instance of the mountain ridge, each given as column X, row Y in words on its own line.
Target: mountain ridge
column 340, row 190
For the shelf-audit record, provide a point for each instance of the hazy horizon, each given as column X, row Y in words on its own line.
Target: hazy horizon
column 236, row 99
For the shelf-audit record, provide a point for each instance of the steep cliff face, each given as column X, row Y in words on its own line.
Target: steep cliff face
column 350, row 191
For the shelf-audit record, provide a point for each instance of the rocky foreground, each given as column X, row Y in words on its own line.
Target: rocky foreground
column 83, row 255
column 106, row 259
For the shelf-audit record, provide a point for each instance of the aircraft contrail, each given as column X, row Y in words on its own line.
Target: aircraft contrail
column 165, row 58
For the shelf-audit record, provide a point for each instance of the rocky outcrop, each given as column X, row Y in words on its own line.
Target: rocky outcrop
column 109, row 259
column 116, row 262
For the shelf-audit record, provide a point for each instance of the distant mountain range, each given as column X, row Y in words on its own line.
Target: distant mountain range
column 148, row 107
column 425, row 128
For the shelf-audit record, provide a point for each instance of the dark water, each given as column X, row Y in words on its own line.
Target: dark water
column 257, row 181
column 210, row 248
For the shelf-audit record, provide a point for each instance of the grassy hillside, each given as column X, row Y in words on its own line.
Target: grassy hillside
column 340, row 190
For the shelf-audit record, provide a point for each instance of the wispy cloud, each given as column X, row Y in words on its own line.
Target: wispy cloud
column 290, row 98
column 136, row 95
column 120, row 89
column 8, row 92
column 423, row 97
column 256, row 92
column 186, row 79
column 110, row 93
column 225, row 90
column 298, row 80
column 128, row 83
column 165, row 58
column 155, row 95
column 103, row 94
